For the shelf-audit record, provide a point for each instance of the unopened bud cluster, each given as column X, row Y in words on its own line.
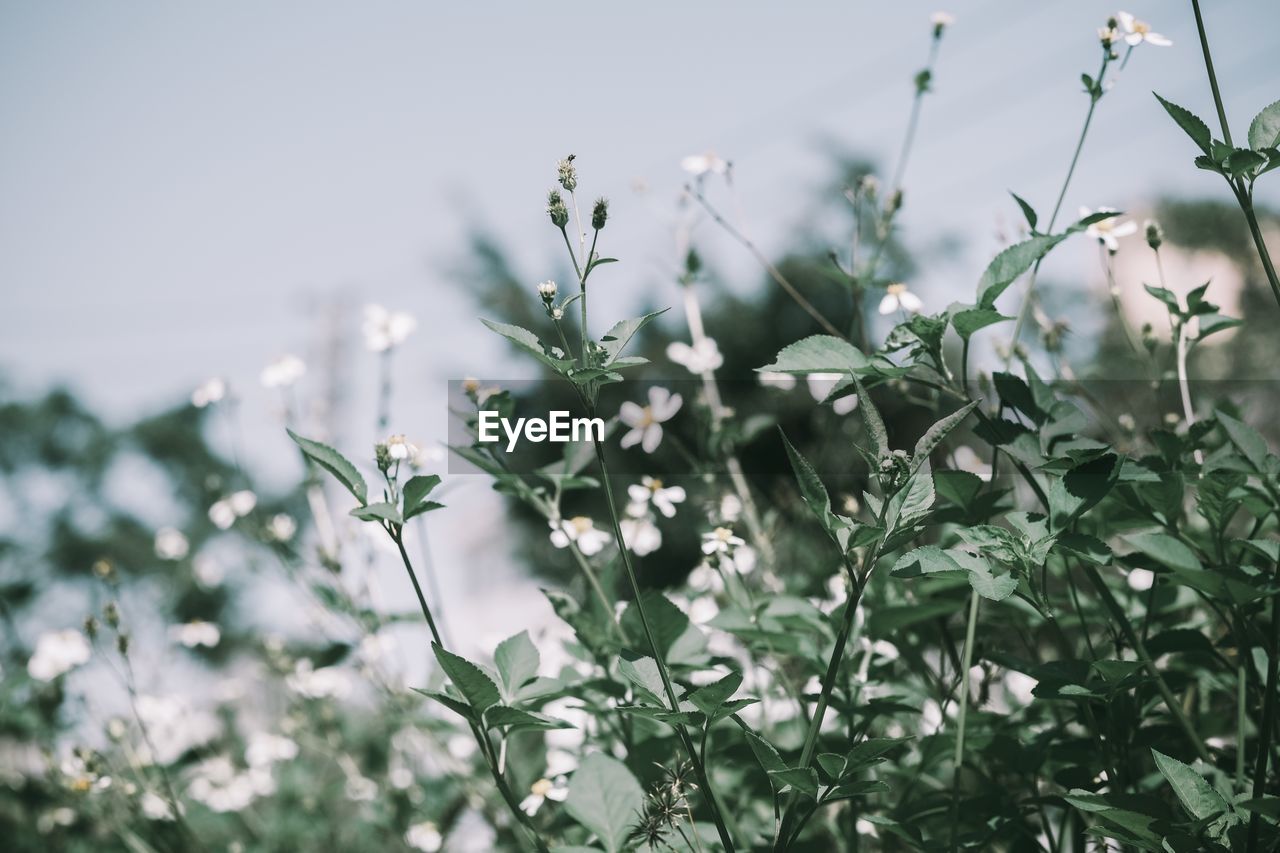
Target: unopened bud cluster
column 556, row 209
column 894, row 468
column 1155, row 234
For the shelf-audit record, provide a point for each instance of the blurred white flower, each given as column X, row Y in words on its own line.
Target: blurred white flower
column 425, row 837
column 174, row 727
column 897, row 296
column 223, row 513
column 155, row 807
column 219, row 785
column 730, row 507
column 781, row 381
column 541, row 791
column 265, row 749
column 701, row 164
column 328, row 682
column 58, row 652
column 196, row 633
column 967, row 459
column 208, row 572
column 283, row 372
column 703, row 357
column 1137, row 32
column 377, row 648
column 942, row 19
column 651, row 490
column 429, row 458
column 1140, row 580
column 399, row 448
column 703, row 609
column 1108, row 230
column 209, row 392
column 170, row 544
column 822, row 384
column 641, row 535
column 1018, row 686
column 385, row 329
column 720, row 541
column 282, row 527
column 581, row 531
column 704, row 578
column 646, row 422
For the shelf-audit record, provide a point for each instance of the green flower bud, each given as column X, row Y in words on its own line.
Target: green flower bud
column 1155, row 234
column 556, row 210
column 600, row 213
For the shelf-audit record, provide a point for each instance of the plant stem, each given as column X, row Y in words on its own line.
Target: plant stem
column 958, row 762
column 1213, row 78
column 1267, row 725
column 672, row 698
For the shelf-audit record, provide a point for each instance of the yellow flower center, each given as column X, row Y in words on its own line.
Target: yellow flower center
column 646, row 416
column 540, row 788
column 897, row 289
column 1141, row 27
column 723, row 534
column 580, row 524
column 655, row 485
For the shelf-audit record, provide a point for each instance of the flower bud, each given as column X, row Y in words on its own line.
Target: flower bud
column 940, row 21
column 122, row 643
column 382, row 456
column 103, row 569
column 1155, row 234
column 600, row 213
column 557, row 313
column 693, row 262
column 567, row 173
column 547, row 290
column 91, row 627
column 893, row 203
column 111, row 613
column 556, row 210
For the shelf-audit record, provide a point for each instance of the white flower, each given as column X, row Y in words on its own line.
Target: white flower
column 58, row 652
column 822, row 384
column 641, row 535
column 196, row 633
column 224, row 512
column 703, row 357
column 897, row 296
column 1108, row 229
column 209, row 392
column 967, row 459
column 428, row 458
column 1019, row 686
column 174, row 727
column 781, row 381
column 328, row 682
column 720, row 541
column 541, row 791
column 547, row 290
column 208, row 572
column 283, row 372
column 385, row 329
column 730, row 507
column 581, row 531
column 399, row 448
column 942, row 19
column 282, row 527
column 663, row 498
column 1136, row 32
column 156, row 807
column 704, row 578
column 646, row 422
column 1140, row 580
column 700, row 164
column 265, row 749
column 425, row 837
column 243, row 502
column 170, row 544
column 219, row 785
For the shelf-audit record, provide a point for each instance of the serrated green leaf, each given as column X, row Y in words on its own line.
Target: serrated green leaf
column 1027, row 210
column 1246, row 439
column 643, row 674
column 528, row 341
column 1264, row 130
column 605, row 797
column 818, row 354
column 333, row 462
column 815, row 496
column 803, row 780
column 936, row 433
column 519, row 719
column 459, row 707
column 616, row 339
column 871, row 418
column 380, row 511
column 1193, row 126
column 516, row 660
column 1196, row 795
column 415, row 495
column 470, row 680
column 1163, row 548
column 1011, row 263
column 971, row 320
column 711, row 696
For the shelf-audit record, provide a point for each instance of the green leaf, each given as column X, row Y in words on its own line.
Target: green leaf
column 925, row 560
column 678, row 639
column 415, row 493
column 967, row 322
column 516, row 659
column 528, row 341
column 803, row 780
column 1010, row 264
column 470, row 680
column 1163, row 548
column 936, row 433
column 605, row 798
column 380, row 511
column 818, row 354
column 1195, row 794
column 1027, row 210
column 518, row 719
column 643, row 673
column 815, row 496
column 710, row 697
column 333, row 462
column 616, row 339
column 982, row 580
column 871, row 417
column 766, row 755
column 1194, row 127
column 1082, row 488
column 462, row 709
column 1246, row 439
column 1264, row 130
column 1242, row 161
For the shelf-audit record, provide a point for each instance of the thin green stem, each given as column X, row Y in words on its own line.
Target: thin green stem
column 958, row 762
column 1267, row 725
column 1213, row 78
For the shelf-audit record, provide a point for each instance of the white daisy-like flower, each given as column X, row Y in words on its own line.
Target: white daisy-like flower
column 171, row 544
column 58, row 652
column 781, row 381
column 1108, row 229
column 399, row 448
column 424, row 836
column 224, row 512
column 581, row 531
column 942, row 19
column 265, row 749
column 209, row 392
column 547, row 290
column 1137, row 32
column 651, row 490
column 541, row 791
column 897, row 296
column 646, row 421
column 720, row 541
column 283, row 372
column 1140, row 580
column 641, row 535
column 195, row 633
column 328, row 682
column 822, row 384
column 429, row 458
column 702, row 164
column 174, row 726
column 703, row 357
column 282, row 527
column 155, row 807
column 385, row 329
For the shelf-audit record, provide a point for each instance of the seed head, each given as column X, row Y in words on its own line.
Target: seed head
column 122, row 643
column 600, row 213
column 556, row 210
column 1155, row 234
column 567, row 173
column 111, row 613
column 91, row 627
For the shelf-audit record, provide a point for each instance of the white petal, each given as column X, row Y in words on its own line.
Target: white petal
column 652, row 438
column 1124, row 229
column 664, row 405
column 910, row 301
column 888, row 304
column 675, row 494
column 845, row 405
column 560, row 539
column 1126, row 20
column 630, row 413
column 1133, row 39
column 632, row 438
column 638, row 493
column 1084, row 211
column 1158, row 40
column 1110, row 242
column 680, row 353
